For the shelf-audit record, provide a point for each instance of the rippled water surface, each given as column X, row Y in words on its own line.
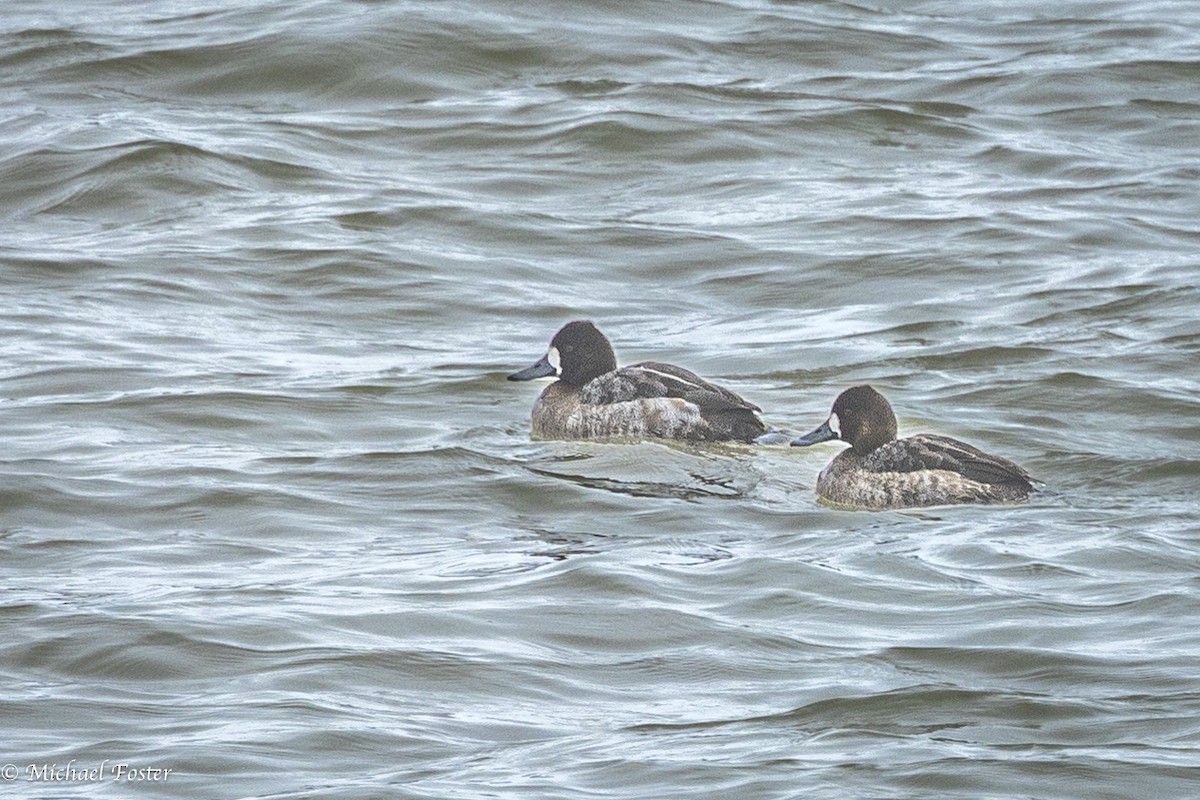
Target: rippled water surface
column 271, row 518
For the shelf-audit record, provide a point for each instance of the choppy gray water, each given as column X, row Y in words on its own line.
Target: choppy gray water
column 270, row 516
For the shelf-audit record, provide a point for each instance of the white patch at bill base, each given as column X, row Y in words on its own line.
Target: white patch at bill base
column 835, row 425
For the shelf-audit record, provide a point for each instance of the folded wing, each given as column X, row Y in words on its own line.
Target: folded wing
column 929, row 451
column 653, row 379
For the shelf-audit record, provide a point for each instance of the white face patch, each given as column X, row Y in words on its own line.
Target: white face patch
column 835, row 425
column 555, row 360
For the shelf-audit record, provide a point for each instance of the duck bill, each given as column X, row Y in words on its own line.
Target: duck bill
column 821, row 434
column 539, row 370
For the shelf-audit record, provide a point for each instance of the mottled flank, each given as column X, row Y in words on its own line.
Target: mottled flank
column 852, row 481
column 926, row 451
column 561, row 413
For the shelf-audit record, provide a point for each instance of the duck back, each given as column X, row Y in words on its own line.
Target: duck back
column 563, row 412
column 924, row 470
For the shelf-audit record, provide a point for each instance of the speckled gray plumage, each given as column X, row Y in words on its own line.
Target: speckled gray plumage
column 930, row 451
column 562, row 413
column 921, row 471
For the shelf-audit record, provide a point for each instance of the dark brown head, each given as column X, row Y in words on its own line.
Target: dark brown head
column 578, row 353
column 861, row 416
